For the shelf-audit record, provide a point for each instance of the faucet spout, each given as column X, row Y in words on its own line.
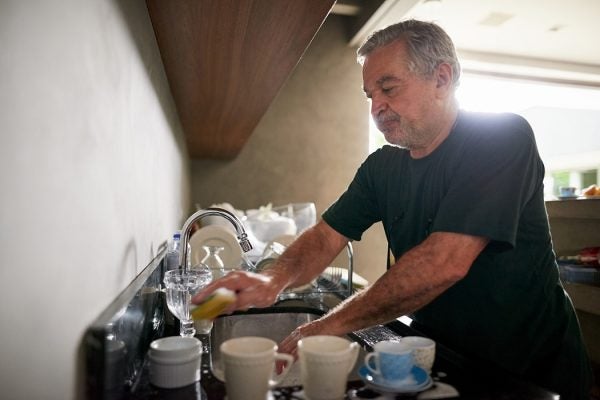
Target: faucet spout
column 199, row 215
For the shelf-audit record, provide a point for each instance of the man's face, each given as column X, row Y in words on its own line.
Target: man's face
column 403, row 105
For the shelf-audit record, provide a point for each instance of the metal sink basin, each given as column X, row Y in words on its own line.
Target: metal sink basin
column 272, row 323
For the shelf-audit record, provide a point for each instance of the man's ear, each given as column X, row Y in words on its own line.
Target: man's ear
column 444, row 76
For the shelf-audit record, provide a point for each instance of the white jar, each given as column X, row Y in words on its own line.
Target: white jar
column 175, row 361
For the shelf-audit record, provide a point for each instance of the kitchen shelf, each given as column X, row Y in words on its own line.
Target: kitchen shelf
column 575, row 224
column 585, row 297
column 580, row 208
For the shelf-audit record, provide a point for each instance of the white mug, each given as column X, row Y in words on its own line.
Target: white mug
column 249, row 367
column 325, row 362
column 423, row 351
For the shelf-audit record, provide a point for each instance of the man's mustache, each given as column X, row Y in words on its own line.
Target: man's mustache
column 381, row 119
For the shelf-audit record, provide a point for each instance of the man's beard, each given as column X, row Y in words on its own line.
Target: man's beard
column 398, row 131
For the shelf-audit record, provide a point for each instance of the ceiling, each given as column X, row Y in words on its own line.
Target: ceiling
column 554, row 40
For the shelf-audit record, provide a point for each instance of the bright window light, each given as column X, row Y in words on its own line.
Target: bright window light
column 489, row 94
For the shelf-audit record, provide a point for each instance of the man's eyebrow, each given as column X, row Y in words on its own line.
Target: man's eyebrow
column 384, row 79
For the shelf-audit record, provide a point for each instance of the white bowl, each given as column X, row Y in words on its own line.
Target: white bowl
column 174, row 361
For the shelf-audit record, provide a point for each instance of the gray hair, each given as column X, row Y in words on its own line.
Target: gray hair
column 428, row 46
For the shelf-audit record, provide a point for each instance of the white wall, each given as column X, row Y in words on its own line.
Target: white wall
column 93, row 176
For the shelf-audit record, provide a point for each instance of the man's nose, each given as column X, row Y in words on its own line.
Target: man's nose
column 377, row 105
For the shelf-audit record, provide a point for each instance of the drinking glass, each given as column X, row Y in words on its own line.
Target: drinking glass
column 180, row 288
column 206, row 274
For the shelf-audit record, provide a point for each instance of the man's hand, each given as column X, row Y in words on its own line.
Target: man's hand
column 289, row 345
column 251, row 289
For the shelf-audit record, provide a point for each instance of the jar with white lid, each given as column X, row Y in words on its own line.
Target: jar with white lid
column 175, row 361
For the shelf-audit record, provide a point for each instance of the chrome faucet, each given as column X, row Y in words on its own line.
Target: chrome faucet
column 199, row 215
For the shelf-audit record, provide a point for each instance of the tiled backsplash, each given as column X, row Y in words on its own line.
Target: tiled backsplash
column 117, row 341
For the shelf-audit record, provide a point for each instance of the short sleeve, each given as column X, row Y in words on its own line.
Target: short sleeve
column 356, row 209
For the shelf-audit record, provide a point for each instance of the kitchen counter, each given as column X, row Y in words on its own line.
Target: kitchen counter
column 116, row 344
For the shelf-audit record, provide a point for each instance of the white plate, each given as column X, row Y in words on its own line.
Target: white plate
column 216, row 235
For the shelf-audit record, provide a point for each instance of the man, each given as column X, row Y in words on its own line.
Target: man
column 460, row 196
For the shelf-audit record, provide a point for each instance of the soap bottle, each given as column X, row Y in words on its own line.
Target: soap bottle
column 172, row 257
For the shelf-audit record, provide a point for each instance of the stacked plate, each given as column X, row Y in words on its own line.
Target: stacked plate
column 216, row 235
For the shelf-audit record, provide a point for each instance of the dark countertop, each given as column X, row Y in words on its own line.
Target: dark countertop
column 471, row 379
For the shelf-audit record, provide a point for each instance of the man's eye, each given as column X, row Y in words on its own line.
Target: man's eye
column 387, row 90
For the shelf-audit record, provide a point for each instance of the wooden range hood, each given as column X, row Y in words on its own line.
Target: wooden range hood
column 225, row 61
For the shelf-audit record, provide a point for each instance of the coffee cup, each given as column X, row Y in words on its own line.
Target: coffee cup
column 391, row 361
column 325, row 362
column 567, row 191
column 423, row 350
column 249, row 367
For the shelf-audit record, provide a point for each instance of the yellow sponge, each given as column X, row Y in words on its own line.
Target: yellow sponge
column 213, row 305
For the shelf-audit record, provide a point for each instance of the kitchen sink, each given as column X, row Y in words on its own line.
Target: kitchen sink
column 274, row 323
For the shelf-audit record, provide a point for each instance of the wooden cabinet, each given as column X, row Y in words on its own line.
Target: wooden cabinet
column 575, row 224
column 225, row 61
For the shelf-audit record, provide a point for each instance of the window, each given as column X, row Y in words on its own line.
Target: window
column 565, row 120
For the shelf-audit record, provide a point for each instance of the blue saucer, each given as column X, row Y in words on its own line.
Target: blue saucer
column 420, row 381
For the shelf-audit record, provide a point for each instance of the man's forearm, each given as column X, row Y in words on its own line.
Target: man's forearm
column 416, row 279
column 307, row 256
column 395, row 294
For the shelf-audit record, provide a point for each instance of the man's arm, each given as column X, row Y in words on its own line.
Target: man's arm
column 308, row 256
column 418, row 277
column 302, row 261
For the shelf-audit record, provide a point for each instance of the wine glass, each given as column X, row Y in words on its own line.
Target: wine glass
column 213, row 261
column 180, row 288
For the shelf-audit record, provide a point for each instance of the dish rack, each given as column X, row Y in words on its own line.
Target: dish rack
column 336, row 279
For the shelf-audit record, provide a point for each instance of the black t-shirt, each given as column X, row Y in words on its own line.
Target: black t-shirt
column 485, row 179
